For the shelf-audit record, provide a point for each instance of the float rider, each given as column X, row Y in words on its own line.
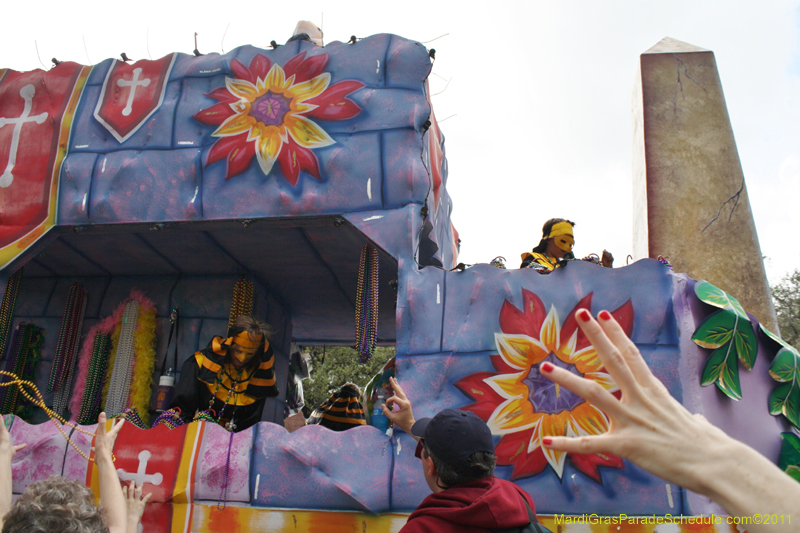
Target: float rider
column 231, row 378
column 554, row 249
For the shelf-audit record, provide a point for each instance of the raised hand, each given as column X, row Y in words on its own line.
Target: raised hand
column 404, row 417
column 652, row 429
column 135, row 504
column 648, row 426
column 7, row 450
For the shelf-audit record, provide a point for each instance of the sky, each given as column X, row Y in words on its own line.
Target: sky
column 533, row 97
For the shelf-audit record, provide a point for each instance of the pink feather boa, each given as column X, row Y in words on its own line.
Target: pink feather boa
column 106, row 326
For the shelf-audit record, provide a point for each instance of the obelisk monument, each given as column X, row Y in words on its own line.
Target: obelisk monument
column 689, row 196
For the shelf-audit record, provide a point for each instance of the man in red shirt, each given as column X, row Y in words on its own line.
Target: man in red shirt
column 457, row 453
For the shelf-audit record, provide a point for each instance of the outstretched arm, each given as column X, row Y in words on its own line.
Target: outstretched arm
column 7, row 451
column 404, row 417
column 652, row 429
column 111, row 497
column 135, row 503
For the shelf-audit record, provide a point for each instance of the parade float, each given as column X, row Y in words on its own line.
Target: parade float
column 307, row 185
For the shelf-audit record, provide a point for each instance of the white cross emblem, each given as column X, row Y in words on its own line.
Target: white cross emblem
column 135, row 82
column 141, row 477
column 26, row 93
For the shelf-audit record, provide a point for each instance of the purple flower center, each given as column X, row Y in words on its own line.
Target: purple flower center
column 270, row 109
column 546, row 396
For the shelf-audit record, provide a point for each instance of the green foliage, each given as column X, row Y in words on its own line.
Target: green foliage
column 786, row 296
column 730, row 334
column 789, row 460
column 333, row 366
column 723, row 369
column 785, row 369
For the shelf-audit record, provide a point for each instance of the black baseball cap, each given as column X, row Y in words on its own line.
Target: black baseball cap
column 453, row 435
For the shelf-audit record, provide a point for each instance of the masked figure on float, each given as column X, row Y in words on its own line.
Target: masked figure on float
column 231, row 378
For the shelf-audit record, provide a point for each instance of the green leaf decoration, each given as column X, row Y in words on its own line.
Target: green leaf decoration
column 789, row 460
column 715, row 296
column 785, row 400
column 745, row 343
column 730, row 334
column 716, row 330
column 719, row 328
column 786, row 365
column 723, row 369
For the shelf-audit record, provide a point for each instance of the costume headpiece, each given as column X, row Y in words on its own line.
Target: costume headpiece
column 243, row 339
column 562, row 233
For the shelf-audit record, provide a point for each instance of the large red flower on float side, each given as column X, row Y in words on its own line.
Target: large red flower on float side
column 265, row 112
column 523, row 406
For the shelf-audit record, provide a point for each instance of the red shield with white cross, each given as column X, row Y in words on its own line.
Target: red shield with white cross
column 36, row 112
column 163, row 462
column 131, row 94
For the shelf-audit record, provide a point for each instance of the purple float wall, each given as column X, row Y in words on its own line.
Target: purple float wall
column 450, row 327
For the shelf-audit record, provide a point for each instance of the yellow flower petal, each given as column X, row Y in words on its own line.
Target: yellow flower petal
column 536, row 436
column 235, row 125
column 512, row 416
column 276, row 79
column 603, row 379
column 267, row 149
column 590, row 419
column 299, row 108
column 306, row 132
column 586, row 360
column 569, row 347
column 558, row 425
column 550, row 331
column 520, row 351
column 509, row 386
column 310, row 88
column 241, row 89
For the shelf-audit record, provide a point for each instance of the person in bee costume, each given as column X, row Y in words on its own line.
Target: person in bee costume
column 231, row 378
column 554, row 248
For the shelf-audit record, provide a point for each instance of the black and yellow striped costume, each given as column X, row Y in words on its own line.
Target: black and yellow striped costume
column 245, row 401
column 341, row 411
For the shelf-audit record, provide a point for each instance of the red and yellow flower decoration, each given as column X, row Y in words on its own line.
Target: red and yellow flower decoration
column 268, row 112
column 523, row 406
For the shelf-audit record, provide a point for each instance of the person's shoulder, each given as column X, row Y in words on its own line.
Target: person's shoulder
column 508, row 485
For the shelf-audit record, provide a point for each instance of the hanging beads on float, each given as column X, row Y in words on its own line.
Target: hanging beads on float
column 93, row 391
column 242, row 301
column 64, row 358
column 119, row 388
column 367, row 303
column 7, row 309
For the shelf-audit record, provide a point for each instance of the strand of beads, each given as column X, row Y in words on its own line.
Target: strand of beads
column 208, row 415
column 7, row 308
column 119, row 387
column 35, row 397
column 93, row 391
column 20, row 345
column 66, row 351
column 131, row 414
column 498, row 262
column 367, row 303
column 242, row 301
column 170, row 418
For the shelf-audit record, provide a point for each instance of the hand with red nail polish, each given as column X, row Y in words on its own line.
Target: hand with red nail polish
column 652, row 429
